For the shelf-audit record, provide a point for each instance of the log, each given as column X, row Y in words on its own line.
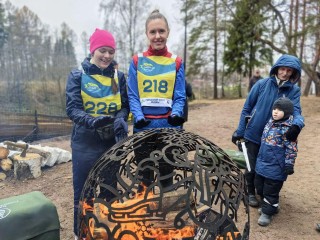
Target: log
column 51, row 155
column 6, row 164
column 19, row 145
column 4, row 152
column 44, row 154
column 27, row 167
column 172, row 200
column 2, row 176
column 168, row 223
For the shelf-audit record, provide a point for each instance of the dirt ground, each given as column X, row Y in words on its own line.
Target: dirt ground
column 216, row 121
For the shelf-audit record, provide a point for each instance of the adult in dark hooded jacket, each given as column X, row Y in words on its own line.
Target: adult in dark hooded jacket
column 97, row 103
column 258, row 106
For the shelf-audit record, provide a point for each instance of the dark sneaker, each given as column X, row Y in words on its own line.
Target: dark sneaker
column 318, row 227
column 264, row 220
column 253, row 201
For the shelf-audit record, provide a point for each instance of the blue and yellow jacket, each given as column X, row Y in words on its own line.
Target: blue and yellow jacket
column 140, row 101
column 263, row 94
column 83, row 134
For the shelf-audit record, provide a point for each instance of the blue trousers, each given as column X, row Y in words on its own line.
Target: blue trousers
column 156, row 123
column 82, row 163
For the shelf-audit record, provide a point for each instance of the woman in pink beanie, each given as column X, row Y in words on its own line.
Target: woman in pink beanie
column 101, row 38
column 97, row 103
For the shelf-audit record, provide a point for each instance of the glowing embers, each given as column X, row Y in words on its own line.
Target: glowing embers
column 164, row 184
column 141, row 218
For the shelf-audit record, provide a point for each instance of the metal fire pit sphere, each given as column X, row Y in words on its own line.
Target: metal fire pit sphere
column 164, row 184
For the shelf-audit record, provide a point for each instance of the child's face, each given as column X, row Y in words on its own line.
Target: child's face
column 277, row 114
column 157, row 33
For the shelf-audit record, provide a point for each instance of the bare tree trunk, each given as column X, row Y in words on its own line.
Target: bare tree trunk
column 318, row 88
column 215, row 70
column 296, row 25
column 222, row 86
column 311, row 70
column 303, row 20
column 61, row 93
column 312, row 77
column 307, row 88
column 290, row 24
column 239, row 88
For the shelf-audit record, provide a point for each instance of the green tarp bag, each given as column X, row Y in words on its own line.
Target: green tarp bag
column 237, row 157
column 29, row 216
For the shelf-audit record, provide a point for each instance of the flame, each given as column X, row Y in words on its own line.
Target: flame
column 161, row 234
column 144, row 230
column 141, row 228
column 229, row 236
column 86, row 207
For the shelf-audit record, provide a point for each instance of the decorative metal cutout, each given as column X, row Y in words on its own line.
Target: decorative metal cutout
column 164, row 184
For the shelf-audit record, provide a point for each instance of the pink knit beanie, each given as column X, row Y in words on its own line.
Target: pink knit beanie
column 101, row 38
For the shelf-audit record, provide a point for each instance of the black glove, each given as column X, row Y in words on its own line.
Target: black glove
column 106, row 132
column 235, row 138
column 292, row 133
column 102, row 121
column 120, row 129
column 289, row 170
column 175, row 120
column 142, row 123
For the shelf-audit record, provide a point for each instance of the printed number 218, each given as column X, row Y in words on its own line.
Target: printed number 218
column 155, row 86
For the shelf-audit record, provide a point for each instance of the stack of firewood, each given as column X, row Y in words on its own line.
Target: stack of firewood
column 26, row 161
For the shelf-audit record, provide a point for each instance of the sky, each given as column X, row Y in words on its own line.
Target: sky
column 84, row 15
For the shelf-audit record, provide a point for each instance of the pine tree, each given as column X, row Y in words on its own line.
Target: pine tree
column 3, row 33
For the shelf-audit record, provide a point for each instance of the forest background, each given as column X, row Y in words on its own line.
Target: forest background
column 222, row 43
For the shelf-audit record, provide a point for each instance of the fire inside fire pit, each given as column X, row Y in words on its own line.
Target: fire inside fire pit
column 167, row 184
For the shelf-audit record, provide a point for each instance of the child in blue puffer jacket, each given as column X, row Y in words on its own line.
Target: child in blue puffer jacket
column 275, row 159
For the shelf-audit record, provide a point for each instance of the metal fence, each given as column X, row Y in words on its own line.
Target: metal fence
column 30, row 127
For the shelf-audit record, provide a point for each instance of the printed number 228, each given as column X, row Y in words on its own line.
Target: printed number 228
column 102, row 108
column 155, row 86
